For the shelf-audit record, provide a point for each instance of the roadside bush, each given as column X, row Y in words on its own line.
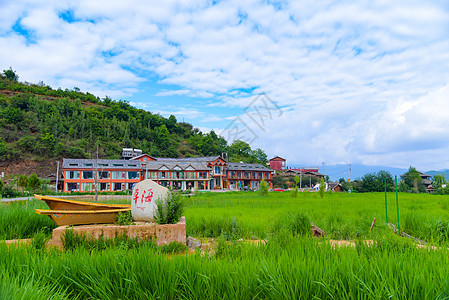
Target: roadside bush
column 9, row 192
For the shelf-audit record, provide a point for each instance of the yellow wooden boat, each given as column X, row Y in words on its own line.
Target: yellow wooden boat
column 66, row 204
column 82, row 217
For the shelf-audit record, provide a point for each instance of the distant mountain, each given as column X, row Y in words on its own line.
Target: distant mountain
column 444, row 172
column 335, row 172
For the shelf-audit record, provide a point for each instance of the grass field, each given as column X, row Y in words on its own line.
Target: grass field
column 341, row 215
column 291, row 265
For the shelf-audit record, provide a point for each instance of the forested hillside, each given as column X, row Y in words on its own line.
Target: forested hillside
column 40, row 123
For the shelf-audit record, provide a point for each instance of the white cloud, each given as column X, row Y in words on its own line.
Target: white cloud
column 358, row 81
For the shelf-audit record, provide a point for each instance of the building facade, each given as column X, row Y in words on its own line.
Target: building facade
column 80, row 175
column 195, row 173
column 278, row 163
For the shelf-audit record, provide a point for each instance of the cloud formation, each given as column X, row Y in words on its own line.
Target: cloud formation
column 358, row 82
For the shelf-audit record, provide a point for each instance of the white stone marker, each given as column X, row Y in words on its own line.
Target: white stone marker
column 143, row 200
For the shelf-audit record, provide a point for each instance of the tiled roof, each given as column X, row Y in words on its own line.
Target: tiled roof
column 247, row 167
column 68, row 163
column 156, row 165
column 187, row 159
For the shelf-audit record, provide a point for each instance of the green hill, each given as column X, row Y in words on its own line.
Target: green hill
column 39, row 123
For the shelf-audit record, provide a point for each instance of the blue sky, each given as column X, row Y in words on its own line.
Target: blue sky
column 361, row 82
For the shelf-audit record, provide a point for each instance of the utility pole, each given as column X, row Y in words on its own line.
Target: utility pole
column 350, row 172
column 324, row 173
column 57, row 175
column 96, row 176
column 300, row 177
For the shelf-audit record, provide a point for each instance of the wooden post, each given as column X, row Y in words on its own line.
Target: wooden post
column 372, row 224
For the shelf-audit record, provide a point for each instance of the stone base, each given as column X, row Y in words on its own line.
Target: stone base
column 162, row 234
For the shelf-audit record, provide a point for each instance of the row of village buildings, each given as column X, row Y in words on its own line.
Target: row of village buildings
column 194, row 173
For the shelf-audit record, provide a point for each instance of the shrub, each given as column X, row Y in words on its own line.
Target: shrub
column 170, row 210
column 124, row 218
column 263, row 188
column 322, row 188
column 34, row 182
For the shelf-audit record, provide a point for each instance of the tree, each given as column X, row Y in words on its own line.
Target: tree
column 322, row 188
column 23, row 181
column 1, row 186
column 438, row 181
column 295, row 190
column 260, row 156
column 34, row 182
column 239, row 148
column 279, row 181
column 374, row 182
column 3, row 149
column 263, row 188
column 10, row 74
column 412, row 181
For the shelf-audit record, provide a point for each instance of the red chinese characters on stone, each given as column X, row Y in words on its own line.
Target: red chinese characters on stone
column 136, row 196
column 148, row 197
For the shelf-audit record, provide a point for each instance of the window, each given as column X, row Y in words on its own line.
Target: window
column 104, row 186
column 118, row 175
column 201, row 185
column 88, row 165
column 87, row 186
column 130, row 165
column 152, row 175
column 217, row 170
column 103, row 175
column 117, row 186
column 202, row 175
column 88, row 175
column 103, row 165
column 117, row 165
column 131, row 185
column 72, row 174
column 71, row 186
column 133, row 175
column 163, row 175
column 73, row 165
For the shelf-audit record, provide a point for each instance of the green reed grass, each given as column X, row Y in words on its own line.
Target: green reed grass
column 287, row 267
column 341, row 215
column 19, row 220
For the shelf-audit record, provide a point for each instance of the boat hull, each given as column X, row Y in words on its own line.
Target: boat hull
column 80, row 217
column 66, row 204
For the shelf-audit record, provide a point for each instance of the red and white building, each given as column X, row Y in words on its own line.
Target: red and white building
column 197, row 173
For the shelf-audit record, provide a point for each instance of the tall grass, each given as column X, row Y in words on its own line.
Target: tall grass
column 340, row 215
column 291, row 265
column 287, row 267
column 19, row 220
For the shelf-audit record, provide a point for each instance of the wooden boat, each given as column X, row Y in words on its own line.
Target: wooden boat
column 82, row 217
column 66, row 204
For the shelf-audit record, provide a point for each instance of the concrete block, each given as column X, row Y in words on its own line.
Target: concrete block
column 162, row 234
